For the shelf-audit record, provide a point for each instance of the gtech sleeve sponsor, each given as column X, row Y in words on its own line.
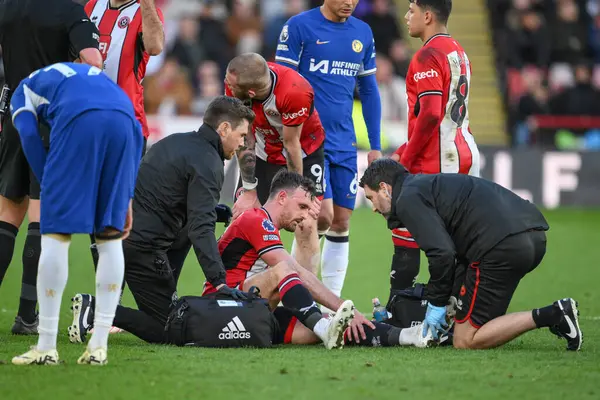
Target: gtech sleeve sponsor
column 303, row 112
column 429, row 78
column 432, row 73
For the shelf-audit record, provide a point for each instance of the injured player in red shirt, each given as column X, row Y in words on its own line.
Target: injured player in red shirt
column 253, row 255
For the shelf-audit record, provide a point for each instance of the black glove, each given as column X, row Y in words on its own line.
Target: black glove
column 224, row 214
column 235, row 294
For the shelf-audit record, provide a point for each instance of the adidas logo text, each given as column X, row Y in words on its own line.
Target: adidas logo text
column 234, row 330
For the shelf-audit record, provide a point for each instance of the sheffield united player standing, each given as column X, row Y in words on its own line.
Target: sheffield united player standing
column 439, row 137
column 33, row 35
column 130, row 32
column 287, row 131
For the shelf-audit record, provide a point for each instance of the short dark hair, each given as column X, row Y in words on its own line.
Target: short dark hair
column 250, row 69
column 383, row 170
column 441, row 8
column 288, row 180
column 227, row 109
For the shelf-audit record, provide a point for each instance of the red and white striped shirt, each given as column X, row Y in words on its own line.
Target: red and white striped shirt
column 290, row 103
column 122, row 48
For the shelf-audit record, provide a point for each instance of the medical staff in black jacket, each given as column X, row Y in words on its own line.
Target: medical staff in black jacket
column 461, row 221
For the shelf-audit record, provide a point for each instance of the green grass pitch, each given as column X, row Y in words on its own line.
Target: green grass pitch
column 535, row 366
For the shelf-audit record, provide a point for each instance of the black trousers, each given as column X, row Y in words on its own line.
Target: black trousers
column 152, row 277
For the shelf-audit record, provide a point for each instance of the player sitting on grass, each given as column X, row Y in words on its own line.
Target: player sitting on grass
column 248, row 248
column 253, row 255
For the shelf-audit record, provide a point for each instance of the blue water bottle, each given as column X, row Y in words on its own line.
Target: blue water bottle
column 380, row 314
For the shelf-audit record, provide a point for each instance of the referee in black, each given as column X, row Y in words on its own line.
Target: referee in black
column 178, row 186
column 33, row 35
column 462, row 220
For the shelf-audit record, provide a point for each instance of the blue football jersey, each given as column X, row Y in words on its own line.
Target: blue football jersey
column 331, row 56
column 60, row 92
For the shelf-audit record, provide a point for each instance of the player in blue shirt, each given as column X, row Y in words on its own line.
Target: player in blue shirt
column 87, row 182
column 335, row 51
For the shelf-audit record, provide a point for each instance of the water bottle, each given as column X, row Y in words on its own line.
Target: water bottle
column 379, row 312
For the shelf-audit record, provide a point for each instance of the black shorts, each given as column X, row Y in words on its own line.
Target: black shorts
column 16, row 178
column 490, row 283
column 313, row 166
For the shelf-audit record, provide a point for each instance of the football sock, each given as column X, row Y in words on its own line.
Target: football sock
column 109, row 278
column 405, row 267
column 31, row 259
column 51, row 281
column 334, row 261
column 383, row 335
column 297, row 298
column 94, row 251
column 546, row 316
column 8, row 234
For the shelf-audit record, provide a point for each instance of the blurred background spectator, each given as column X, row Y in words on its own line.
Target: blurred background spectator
column 548, row 55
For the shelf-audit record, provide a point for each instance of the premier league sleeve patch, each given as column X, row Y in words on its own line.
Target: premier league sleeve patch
column 268, row 225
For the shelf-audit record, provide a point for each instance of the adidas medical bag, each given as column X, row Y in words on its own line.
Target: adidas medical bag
column 219, row 321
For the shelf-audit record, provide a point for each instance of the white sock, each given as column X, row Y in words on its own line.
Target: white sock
column 320, row 328
column 52, row 278
column 334, row 261
column 109, row 277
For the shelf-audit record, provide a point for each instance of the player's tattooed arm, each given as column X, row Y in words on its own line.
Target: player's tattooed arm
column 291, row 143
column 153, row 34
column 246, row 156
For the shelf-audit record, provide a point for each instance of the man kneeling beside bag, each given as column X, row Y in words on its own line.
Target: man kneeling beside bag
column 256, row 261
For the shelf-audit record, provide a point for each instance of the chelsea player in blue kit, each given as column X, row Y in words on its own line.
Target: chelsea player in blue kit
column 334, row 52
column 87, row 182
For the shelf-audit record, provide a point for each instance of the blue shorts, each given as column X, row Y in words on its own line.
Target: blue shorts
column 341, row 178
column 90, row 173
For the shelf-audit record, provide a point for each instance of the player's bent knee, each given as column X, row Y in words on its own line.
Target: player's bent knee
column 281, row 270
column 464, row 335
column 340, row 226
column 13, row 212
column 341, row 220
column 325, row 220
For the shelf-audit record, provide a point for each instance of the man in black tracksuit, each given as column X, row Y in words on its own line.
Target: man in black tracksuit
column 459, row 220
column 178, row 185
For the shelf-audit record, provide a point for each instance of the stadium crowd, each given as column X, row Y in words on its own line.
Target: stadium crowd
column 548, row 58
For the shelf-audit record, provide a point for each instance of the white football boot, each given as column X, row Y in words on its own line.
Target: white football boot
column 94, row 357
column 338, row 323
column 36, row 357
